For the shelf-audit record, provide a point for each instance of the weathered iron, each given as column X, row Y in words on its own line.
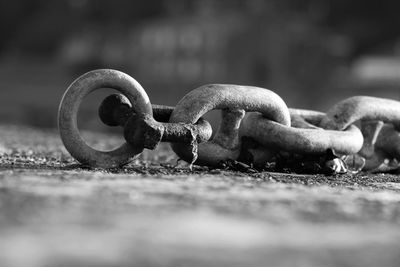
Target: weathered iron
column 256, row 127
column 373, row 112
column 298, row 140
column 147, row 131
column 69, row 107
column 356, row 108
column 233, row 100
column 305, row 138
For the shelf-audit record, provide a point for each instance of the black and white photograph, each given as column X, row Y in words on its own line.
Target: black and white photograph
column 220, row 133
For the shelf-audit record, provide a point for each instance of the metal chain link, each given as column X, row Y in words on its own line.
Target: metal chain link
column 256, row 128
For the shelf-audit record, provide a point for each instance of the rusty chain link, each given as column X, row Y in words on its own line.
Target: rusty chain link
column 256, row 128
column 233, row 100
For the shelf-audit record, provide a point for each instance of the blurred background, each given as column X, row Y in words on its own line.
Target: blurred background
column 313, row 53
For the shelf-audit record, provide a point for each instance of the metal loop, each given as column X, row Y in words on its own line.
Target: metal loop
column 69, row 107
column 381, row 141
column 301, row 141
column 232, row 99
column 225, row 144
column 352, row 109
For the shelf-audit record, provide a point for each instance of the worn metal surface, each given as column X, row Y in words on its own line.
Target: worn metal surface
column 148, row 131
column 231, row 99
column 352, row 109
column 278, row 137
column 275, row 129
column 116, row 109
column 304, row 138
column 143, row 131
column 69, row 107
column 55, row 213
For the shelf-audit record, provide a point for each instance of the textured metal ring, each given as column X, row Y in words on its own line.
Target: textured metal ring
column 69, row 107
column 232, row 99
column 301, row 141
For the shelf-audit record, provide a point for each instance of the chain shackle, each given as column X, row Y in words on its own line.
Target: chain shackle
column 233, row 100
column 147, row 131
column 69, row 107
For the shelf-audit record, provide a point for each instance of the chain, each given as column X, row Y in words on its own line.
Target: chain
column 257, row 128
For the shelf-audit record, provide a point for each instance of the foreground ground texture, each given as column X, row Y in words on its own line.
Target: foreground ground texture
column 53, row 212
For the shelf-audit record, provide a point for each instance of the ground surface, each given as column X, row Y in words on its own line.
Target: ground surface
column 54, row 213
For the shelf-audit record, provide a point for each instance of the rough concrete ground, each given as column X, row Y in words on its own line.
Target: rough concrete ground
column 55, row 213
